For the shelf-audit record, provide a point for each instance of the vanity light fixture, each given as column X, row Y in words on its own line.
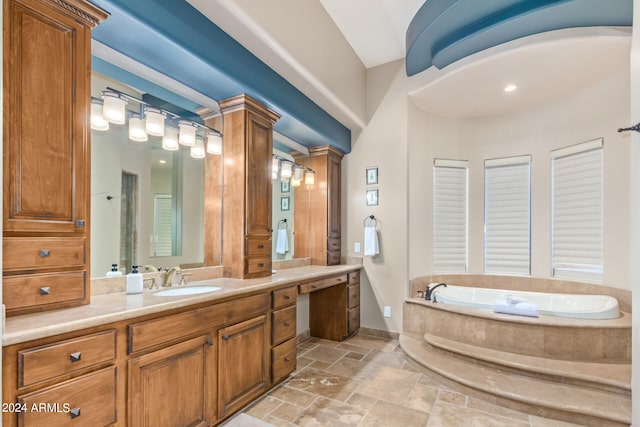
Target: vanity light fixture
column 170, row 139
column 286, row 169
column 214, row 143
column 136, row 129
column 298, row 175
column 197, row 149
column 113, row 108
column 310, row 177
column 154, row 121
column 291, row 171
column 172, row 128
column 98, row 122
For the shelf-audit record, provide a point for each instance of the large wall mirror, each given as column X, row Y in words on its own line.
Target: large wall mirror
column 147, row 202
column 290, row 211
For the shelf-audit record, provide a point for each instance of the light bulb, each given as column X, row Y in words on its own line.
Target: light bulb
column 170, row 139
column 187, row 133
column 295, row 182
column 214, row 143
column 275, row 167
column 309, row 177
column 155, row 121
column 197, row 149
column 97, row 121
column 113, row 108
column 286, row 170
column 298, row 173
column 136, row 130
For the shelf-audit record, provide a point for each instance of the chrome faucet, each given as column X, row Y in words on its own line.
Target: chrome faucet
column 430, row 290
column 149, row 269
column 168, row 281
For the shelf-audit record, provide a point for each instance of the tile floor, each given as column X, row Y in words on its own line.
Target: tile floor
column 366, row 381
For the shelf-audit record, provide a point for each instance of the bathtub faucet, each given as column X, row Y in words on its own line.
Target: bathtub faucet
column 430, row 290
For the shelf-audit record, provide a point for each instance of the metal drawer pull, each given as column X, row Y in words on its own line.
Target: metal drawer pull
column 314, row 286
column 74, row 413
column 209, row 341
column 225, row 337
column 286, row 359
column 75, row 357
column 260, row 246
column 261, row 265
column 286, row 324
column 45, row 252
column 287, row 297
column 45, row 291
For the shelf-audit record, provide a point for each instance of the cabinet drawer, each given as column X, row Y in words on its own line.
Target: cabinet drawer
column 258, row 265
column 353, row 294
column 52, row 360
column 333, row 257
column 89, row 400
column 305, row 288
column 354, row 319
column 283, row 325
column 39, row 289
column 333, row 245
column 157, row 331
column 354, row 277
column 284, row 297
column 29, row 253
column 258, row 247
column 283, row 360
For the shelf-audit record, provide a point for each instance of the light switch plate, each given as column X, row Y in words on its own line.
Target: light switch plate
column 356, row 247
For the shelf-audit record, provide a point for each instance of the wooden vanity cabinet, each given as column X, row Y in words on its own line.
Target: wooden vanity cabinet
column 46, row 150
column 283, row 333
column 325, row 194
column 248, row 147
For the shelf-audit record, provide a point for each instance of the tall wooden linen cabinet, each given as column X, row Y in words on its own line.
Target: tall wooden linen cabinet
column 46, row 152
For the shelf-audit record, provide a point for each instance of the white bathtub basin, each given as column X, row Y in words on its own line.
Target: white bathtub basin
column 191, row 290
column 561, row 305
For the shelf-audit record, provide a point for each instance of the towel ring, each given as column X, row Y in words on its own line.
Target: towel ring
column 372, row 221
column 285, row 224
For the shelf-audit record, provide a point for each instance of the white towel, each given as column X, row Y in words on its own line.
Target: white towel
column 520, row 309
column 282, row 241
column 371, row 247
column 512, row 300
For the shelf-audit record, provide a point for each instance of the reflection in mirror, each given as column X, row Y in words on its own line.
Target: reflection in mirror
column 147, row 203
column 290, row 202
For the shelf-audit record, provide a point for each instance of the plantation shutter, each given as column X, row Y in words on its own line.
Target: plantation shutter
column 577, row 212
column 163, row 225
column 450, row 216
column 508, row 216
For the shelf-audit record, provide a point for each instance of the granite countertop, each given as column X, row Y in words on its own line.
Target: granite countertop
column 115, row 307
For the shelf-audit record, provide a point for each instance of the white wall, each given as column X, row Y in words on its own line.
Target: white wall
column 383, row 143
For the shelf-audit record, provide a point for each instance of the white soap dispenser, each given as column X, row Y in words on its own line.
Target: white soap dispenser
column 134, row 281
column 114, row 271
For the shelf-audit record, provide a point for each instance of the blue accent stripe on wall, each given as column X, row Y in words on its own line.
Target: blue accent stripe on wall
column 445, row 31
column 175, row 39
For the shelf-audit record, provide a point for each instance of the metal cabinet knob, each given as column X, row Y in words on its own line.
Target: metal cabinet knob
column 45, row 252
column 45, row 291
column 286, row 324
column 286, row 359
column 261, row 265
column 75, row 357
column 225, row 337
column 74, row 413
column 261, row 246
column 287, row 297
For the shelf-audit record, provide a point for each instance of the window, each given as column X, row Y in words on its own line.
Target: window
column 450, row 215
column 507, row 216
column 577, row 212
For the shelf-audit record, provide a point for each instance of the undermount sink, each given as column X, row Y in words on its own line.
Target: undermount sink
column 191, row 290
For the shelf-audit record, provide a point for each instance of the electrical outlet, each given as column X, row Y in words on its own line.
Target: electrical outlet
column 387, row 311
column 356, row 247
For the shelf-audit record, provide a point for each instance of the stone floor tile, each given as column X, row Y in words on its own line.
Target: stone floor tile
column 422, row 398
column 393, row 360
column 278, row 422
column 301, row 362
column 324, row 384
column 326, row 354
column 287, row 412
column 546, row 422
column 362, row 401
column 327, row 412
column 352, row 368
column 306, row 345
column 293, row 396
column 353, row 348
column 320, row 366
column 264, row 407
column 389, row 384
column 385, row 414
column 354, row 355
column 322, row 341
column 373, row 343
column 444, row 415
column 483, row 405
column 452, row 398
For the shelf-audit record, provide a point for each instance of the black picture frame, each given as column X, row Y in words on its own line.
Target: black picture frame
column 372, row 175
column 285, row 187
column 284, row 203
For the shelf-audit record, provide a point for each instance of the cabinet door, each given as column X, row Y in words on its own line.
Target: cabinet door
column 243, row 362
column 333, row 197
column 46, row 151
column 175, row 386
column 259, row 184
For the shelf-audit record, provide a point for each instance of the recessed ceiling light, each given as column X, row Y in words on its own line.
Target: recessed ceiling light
column 162, row 162
column 510, row 88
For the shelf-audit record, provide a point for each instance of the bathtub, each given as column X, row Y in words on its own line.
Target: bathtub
column 562, row 305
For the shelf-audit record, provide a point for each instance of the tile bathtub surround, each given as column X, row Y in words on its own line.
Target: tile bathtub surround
column 367, row 381
column 522, row 283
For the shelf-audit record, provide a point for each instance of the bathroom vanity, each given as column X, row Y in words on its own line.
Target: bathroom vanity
column 145, row 360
